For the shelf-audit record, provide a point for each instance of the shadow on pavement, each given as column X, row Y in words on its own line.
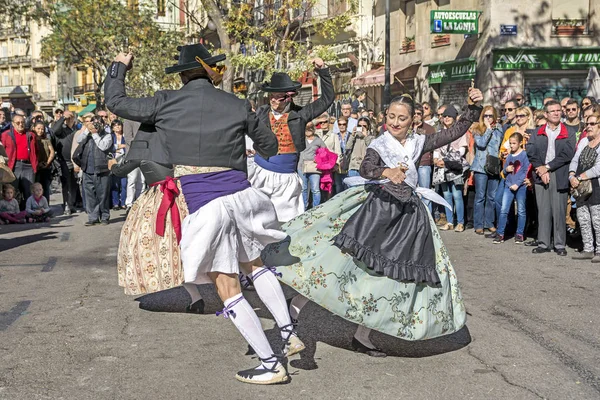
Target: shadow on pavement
column 8, row 244
column 315, row 325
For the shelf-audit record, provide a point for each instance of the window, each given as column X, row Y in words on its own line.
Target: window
column 410, row 27
column 161, row 8
column 570, row 18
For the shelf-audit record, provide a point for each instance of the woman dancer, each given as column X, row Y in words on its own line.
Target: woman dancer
column 387, row 268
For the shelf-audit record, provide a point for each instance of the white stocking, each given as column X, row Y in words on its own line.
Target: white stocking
column 298, row 303
column 269, row 290
column 362, row 335
column 241, row 313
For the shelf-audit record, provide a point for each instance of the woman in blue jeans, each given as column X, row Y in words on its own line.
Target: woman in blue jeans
column 488, row 136
column 311, row 179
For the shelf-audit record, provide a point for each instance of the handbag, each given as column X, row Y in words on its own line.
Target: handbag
column 310, row 167
column 493, row 165
column 583, row 191
column 439, row 176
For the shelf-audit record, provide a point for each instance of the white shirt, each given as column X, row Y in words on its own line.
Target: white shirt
column 552, row 135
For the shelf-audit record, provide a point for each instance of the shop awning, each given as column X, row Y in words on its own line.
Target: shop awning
column 88, row 109
column 450, row 71
column 376, row 77
column 545, row 58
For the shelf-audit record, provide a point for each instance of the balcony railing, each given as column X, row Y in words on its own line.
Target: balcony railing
column 90, row 87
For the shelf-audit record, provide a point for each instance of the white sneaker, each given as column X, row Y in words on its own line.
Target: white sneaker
column 264, row 376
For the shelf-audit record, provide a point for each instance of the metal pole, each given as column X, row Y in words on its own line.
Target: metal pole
column 387, row 97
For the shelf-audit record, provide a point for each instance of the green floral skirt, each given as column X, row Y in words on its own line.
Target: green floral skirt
column 313, row 266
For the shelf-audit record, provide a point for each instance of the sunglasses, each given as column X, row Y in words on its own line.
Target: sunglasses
column 19, row 123
column 509, row 109
column 440, row 115
column 519, row 99
column 521, row 115
column 363, row 126
column 342, row 124
column 488, row 116
column 591, row 124
column 571, row 109
column 586, row 104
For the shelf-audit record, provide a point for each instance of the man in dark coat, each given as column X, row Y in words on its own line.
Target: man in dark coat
column 277, row 176
column 229, row 223
column 64, row 130
column 550, row 152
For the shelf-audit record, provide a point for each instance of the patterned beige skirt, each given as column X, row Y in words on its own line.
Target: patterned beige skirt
column 147, row 262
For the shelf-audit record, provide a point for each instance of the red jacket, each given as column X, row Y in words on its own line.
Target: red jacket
column 10, row 144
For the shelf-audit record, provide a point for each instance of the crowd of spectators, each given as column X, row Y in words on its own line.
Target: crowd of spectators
column 72, row 150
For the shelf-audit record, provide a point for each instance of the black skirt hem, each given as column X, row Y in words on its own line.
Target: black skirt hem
column 407, row 271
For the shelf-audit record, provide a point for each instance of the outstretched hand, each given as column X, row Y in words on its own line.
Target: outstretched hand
column 125, row 58
column 475, row 95
column 318, row 63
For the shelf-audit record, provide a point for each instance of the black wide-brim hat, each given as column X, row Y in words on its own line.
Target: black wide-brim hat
column 280, row 83
column 187, row 58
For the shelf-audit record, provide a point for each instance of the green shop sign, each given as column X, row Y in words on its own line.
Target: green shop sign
column 466, row 22
column 461, row 70
column 550, row 58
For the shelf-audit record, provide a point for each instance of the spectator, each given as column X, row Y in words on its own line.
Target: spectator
column 587, row 112
column 346, row 111
column 519, row 99
column 45, row 156
column 58, row 113
column 371, row 114
column 359, row 98
column 540, row 118
column 37, row 207
column 357, row 145
column 307, row 167
column 119, row 185
column 510, row 113
column 428, row 116
column 550, row 151
column 4, row 123
column 573, row 116
column 343, row 136
column 21, row 148
column 587, row 101
column 95, row 146
column 9, row 207
column 548, row 99
column 585, row 166
column 426, row 162
column 563, row 107
column 488, row 136
column 452, row 159
column 64, row 129
column 515, row 171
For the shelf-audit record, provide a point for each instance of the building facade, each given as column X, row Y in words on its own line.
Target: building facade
column 540, row 49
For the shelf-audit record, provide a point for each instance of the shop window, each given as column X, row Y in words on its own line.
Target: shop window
column 161, row 8
column 570, row 18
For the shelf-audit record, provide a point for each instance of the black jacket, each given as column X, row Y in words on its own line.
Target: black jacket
column 64, row 140
column 564, row 150
column 100, row 156
column 198, row 124
column 300, row 116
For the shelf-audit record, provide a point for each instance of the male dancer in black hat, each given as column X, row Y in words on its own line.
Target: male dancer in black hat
column 229, row 222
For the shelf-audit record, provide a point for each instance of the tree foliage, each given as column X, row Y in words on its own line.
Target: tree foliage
column 276, row 36
column 90, row 33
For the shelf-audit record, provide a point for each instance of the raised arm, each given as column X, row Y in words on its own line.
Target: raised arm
column 322, row 104
column 445, row 136
column 143, row 109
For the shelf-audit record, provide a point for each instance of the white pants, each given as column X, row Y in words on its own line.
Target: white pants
column 284, row 190
column 227, row 231
column 135, row 185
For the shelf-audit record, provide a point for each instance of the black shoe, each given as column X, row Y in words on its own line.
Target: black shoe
column 116, row 208
column 91, row 223
column 469, row 226
column 104, row 222
column 492, row 235
column 196, row 308
column 532, row 243
column 361, row 348
column 560, row 252
column 540, row 250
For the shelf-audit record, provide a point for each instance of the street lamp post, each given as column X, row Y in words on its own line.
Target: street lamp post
column 387, row 87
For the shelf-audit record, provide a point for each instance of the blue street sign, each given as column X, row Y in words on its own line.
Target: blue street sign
column 508, row 30
column 437, row 25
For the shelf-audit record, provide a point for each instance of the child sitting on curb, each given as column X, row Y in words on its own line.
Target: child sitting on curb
column 37, row 207
column 9, row 207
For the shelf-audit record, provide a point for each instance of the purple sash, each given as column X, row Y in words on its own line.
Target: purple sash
column 200, row 189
